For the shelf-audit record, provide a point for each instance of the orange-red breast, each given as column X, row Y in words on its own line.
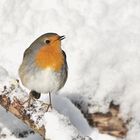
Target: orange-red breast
column 44, row 65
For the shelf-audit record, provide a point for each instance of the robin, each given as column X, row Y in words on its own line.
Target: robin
column 44, row 66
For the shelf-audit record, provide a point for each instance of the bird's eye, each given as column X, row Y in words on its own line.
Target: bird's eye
column 47, row 41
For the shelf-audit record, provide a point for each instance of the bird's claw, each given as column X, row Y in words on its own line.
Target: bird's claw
column 47, row 106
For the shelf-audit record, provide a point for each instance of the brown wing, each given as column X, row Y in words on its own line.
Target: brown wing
column 66, row 66
column 64, row 54
column 27, row 51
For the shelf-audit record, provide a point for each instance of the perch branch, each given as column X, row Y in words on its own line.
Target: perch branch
column 15, row 107
column 10, row 99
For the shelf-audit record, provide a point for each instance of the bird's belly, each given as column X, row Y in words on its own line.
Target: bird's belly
column 44, row 81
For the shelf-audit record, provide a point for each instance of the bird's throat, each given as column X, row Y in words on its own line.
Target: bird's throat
column 50, row 57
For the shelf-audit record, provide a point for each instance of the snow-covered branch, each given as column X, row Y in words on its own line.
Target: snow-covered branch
column 12, row 97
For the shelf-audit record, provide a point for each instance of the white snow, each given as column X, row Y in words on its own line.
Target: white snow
column 65, row 107
column 103, row 53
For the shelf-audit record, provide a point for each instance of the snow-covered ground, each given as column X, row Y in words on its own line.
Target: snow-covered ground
column 103, row 53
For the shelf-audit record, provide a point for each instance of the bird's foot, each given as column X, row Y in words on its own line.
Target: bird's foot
column 33, row 95
column 48, row 107
column 28, row 101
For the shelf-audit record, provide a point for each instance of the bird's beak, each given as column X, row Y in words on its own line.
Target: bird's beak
column 62, row 37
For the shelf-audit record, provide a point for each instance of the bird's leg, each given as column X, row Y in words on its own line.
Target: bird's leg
column 32, row 96
column 29, row 99
column 50, row 103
